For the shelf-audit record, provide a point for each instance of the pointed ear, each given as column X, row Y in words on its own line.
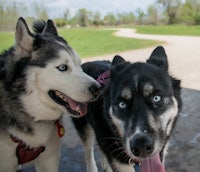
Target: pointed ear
column 159, row 58
column 23, row 38
column 117, row 65
column 50, row 28
column 117, row 60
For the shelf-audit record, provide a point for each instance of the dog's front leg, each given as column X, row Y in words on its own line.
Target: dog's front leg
column 88, row 143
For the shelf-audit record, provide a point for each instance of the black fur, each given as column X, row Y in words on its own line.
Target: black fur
column 134, row 76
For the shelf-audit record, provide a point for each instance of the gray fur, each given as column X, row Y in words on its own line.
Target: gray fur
column 29, row 75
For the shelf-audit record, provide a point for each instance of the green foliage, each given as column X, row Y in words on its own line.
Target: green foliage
column 60, row 22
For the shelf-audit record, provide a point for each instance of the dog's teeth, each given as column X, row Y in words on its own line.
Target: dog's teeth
column 77, row 109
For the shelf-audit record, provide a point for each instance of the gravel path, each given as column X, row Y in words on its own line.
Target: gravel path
column 183, row 54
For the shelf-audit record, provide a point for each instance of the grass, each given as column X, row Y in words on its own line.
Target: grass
column 94, row 42
column 170, row 30
column 89, row 42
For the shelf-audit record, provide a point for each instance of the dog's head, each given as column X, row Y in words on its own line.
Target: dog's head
column 144, row 101
column 54, row 82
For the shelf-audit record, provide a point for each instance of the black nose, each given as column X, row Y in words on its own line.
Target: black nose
column 95, row 90
column 141, row 145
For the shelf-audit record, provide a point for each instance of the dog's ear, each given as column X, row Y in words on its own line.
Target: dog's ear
column 118, row 64
column 50, row 28
column 117, row 60
column 176, row 83
column 38, row 26
column 23, row 38
column 159, row 58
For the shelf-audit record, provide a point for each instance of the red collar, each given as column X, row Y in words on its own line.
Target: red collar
column 26, row 154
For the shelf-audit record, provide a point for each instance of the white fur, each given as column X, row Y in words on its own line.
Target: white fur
column 89, row 151
column 118, row 123
column 122, row 167
column 37, row 103
column 104, row 163
column 170, row 114
column 45, row 135
column 73, row 82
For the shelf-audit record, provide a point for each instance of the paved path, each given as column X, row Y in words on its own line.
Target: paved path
column 184, row 61
column 183, row 54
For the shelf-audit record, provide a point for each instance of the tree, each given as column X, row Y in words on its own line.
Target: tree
column 152, row 15
column 171, row 9
column 66, row 14
column 83, row 17
column 141, row 15
column 125, row 18
column 9, row 15
column 109, row 19
column 97, row 19
column 40, row 10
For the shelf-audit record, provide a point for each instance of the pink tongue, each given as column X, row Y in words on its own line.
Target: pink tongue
column 81, row 108
column 152, row 164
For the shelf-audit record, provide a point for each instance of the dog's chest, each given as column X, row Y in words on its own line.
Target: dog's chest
column 29, row 147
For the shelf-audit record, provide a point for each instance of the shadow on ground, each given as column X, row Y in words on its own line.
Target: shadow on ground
column 184, row 149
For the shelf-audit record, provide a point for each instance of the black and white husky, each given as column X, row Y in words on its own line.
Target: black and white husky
column 40, row 80
column 134, row 117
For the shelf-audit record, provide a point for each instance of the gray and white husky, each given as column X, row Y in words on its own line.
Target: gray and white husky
column 40, row 80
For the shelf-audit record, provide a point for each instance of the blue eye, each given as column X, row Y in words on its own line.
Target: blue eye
column 122, row 105
column 62, row 67
column 156, row 99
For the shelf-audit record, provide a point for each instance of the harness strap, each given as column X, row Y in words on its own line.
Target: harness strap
column 103, row 78
column 25, row 153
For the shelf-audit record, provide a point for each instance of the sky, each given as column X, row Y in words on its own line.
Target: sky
column 56, row 8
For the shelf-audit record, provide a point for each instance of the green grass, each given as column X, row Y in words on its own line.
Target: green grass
column 170, row 30
column 94, row 42
column 89, row 42
column 6, row 40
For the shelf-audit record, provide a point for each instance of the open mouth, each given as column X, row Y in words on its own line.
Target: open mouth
column 75, row 108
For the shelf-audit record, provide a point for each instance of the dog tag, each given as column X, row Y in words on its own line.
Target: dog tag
column 60, row 129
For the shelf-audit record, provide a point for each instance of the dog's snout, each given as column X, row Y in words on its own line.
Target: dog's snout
column 95, row 89
column 142, row 145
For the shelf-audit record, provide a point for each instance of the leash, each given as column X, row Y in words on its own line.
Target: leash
column 103, row 78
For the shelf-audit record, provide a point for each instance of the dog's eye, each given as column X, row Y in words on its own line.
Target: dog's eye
column 62, row 67
column 156, row 99
column 122, row 105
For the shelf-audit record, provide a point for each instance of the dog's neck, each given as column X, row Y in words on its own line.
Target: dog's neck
column 25, row 153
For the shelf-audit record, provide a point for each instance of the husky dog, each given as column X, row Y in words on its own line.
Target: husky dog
column 134, row 117
column 40, row 80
